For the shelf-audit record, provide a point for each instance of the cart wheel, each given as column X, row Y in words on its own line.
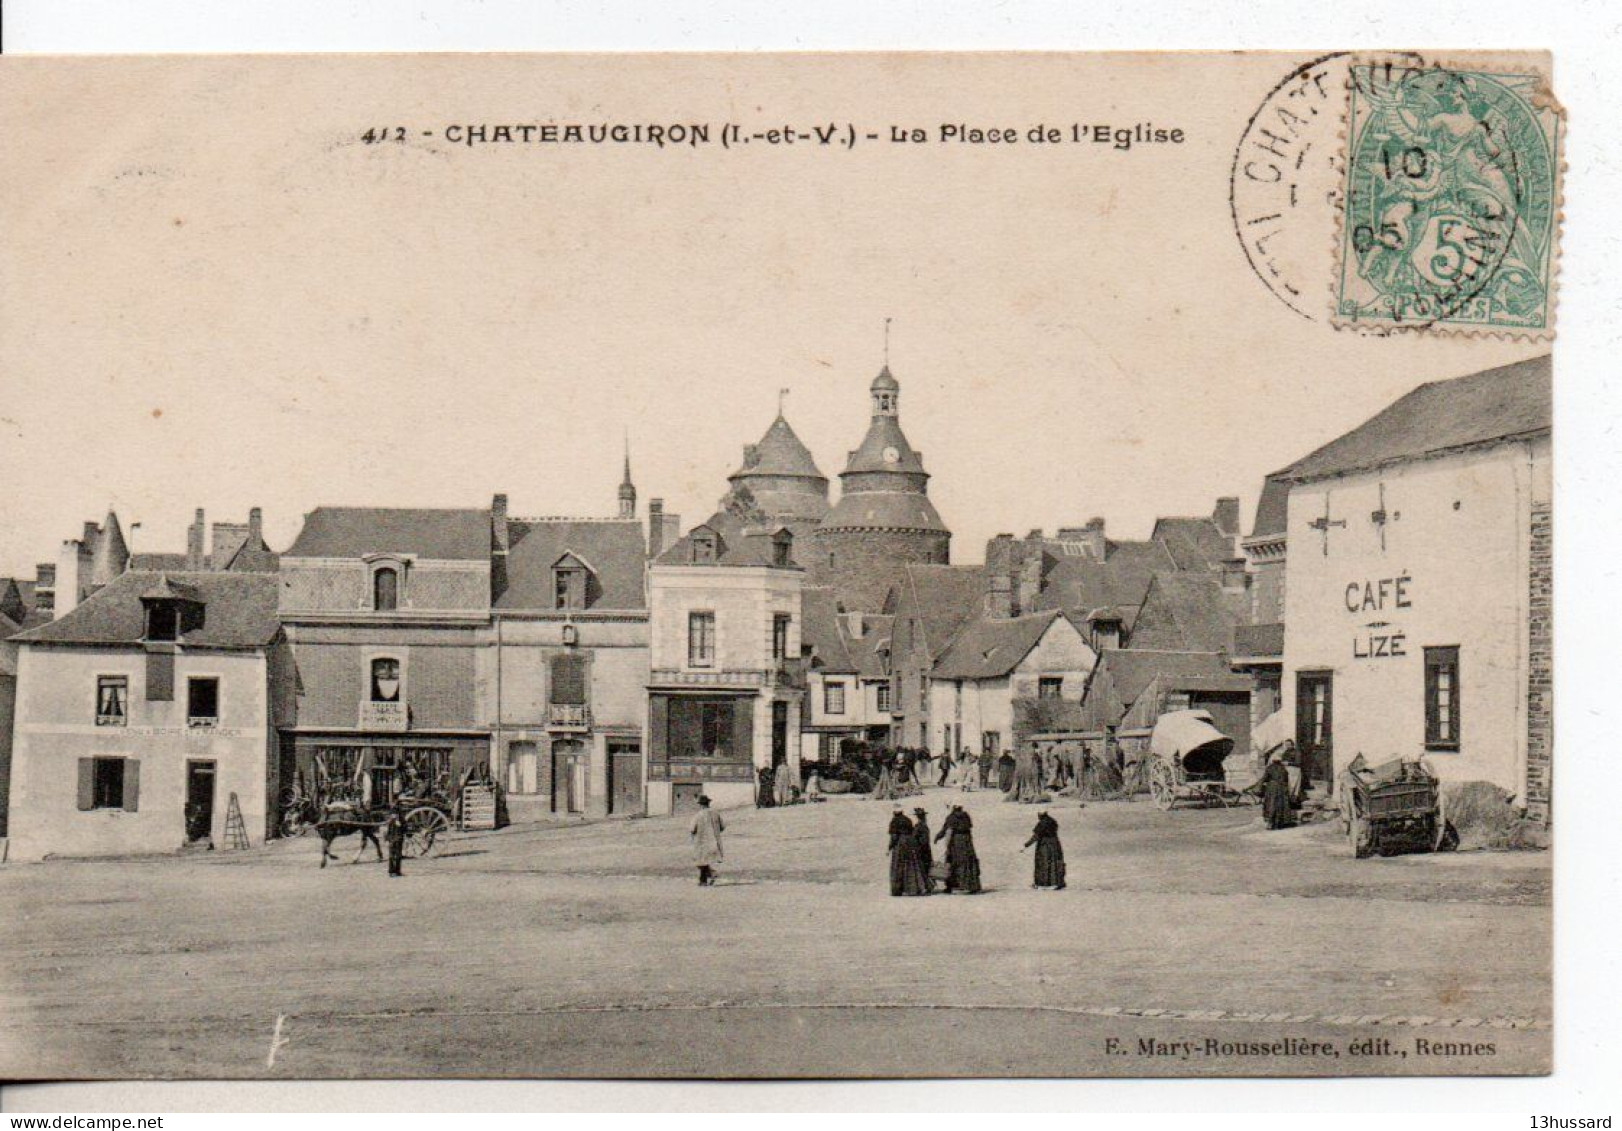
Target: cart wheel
column 423, row 826
column 1362, row 835
column 1161, row 786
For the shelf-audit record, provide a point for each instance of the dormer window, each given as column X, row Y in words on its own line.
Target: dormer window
column 163, row 620
column 571, row 583
column 385, row 589
column 705, row 545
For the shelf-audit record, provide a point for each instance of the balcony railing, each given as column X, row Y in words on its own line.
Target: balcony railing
column 1258, row 641
column 110, row 720
column 568, row 716
column 202, row 722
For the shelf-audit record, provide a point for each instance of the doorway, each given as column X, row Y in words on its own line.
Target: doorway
column 625, row 777
column 779, row 733
column 569, row 768
column 1314, row 730
column 523, row 769
column 199, row 801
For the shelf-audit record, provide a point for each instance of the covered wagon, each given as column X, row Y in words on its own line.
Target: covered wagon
column 1186, row 752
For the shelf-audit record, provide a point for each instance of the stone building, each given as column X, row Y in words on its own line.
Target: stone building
column 884, row 519
column 1258, row 641
column 727, row 685
column 564, row 660
column 929, row 604
column 848, row 684
column 143, row 710
column 387, row 612
column 1417, row 586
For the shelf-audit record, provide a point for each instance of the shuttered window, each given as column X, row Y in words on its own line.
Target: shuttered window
column 1442, row 698
column 109, row 783
column 700, row 640
column 569, row 679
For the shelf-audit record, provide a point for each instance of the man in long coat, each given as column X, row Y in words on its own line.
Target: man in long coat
column 706, row 833
column 906, row 875
column 962, row 862
column 1049, row 853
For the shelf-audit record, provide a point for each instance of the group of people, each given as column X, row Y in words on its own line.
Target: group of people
column 913, row 870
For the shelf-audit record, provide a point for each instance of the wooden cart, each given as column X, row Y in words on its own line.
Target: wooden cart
column 1391, row 807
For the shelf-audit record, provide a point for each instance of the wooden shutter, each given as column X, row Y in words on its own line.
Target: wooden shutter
column 659, row 727
column 132, row 785
column 569, row 679
column 87, row 784
column 160, row 676
column 743, row 730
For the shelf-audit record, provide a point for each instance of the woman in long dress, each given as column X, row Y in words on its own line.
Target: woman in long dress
column 962, row 862
column 1049, row 853
column 906, row 876
column 1276, row 809
column 926, row 849
column 706, row 833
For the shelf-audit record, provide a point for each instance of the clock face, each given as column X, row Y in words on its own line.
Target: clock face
column 891, row 456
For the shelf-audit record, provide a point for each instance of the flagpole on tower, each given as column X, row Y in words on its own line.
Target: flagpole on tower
column 887, row 343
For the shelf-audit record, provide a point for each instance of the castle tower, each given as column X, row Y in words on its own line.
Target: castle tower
column 779, row 479
column 884, row 519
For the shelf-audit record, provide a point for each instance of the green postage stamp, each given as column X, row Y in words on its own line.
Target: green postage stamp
column 1451, row 205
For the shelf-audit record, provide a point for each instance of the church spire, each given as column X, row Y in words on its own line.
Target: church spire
column 627, row 488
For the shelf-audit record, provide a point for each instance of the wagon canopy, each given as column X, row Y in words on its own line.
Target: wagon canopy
column 1275, row 730
column 1192, row 740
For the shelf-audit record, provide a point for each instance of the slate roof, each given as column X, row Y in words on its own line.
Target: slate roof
column 1081, row 584
column 884, row 432
column 780, row 452
column 820, row 628
column 1507, row 403
column 614, row 549
column 864, row 651
column 1189, row 611
column 941, row 598
column 991, row 647
column 1194, row 543
column 742, row 544
column 352, row 532
column 157, row 562
column 1272, row 506
column 888, row 510
column 1132, row 670
column 239, row 611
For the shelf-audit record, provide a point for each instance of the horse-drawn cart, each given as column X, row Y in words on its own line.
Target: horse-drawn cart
column 1186, row 752
column 1392, row 806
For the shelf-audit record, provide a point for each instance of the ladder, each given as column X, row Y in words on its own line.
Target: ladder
column 236, row 833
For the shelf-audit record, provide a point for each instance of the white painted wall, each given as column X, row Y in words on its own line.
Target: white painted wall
column 56, row 726
column 1458, row 533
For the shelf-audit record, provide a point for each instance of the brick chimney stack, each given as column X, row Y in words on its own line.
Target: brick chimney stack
column 663, row 529
column 1226, row 515
column 194, row 542
column 1002, row 556
column 256, row 526
column 498, row 524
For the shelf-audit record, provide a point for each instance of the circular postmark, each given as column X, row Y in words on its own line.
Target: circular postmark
column 1450, row 195
column 1285, row 179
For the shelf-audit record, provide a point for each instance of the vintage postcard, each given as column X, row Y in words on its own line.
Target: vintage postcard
column 726, row 566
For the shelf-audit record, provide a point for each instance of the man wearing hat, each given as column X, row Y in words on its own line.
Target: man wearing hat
column 706, row 834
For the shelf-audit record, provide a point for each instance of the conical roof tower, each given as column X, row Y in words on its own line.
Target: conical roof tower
column 112, row 555
column 781, row 476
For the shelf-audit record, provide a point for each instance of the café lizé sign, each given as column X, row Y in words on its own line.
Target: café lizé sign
column 1379, row 639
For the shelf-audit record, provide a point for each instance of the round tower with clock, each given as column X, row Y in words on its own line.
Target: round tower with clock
column 884, row 519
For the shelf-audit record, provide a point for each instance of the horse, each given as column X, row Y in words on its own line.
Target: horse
column 342, row 820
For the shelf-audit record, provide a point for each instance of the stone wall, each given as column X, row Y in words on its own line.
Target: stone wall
column 862, row 564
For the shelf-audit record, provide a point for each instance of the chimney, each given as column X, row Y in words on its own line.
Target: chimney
column 499, row 543
column 1029, row 583
column 1093, row 536
column 1002, row 554
column 1234, row 577
column 194, row 542
column 663, row 529
column 45, row 587
column 855, row 625
column 256, row 527
column 1226, row 515
column 91, row 533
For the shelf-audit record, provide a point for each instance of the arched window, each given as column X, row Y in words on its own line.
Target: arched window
column 386, row 589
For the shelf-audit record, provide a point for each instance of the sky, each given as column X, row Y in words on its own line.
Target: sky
column 214, row 294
